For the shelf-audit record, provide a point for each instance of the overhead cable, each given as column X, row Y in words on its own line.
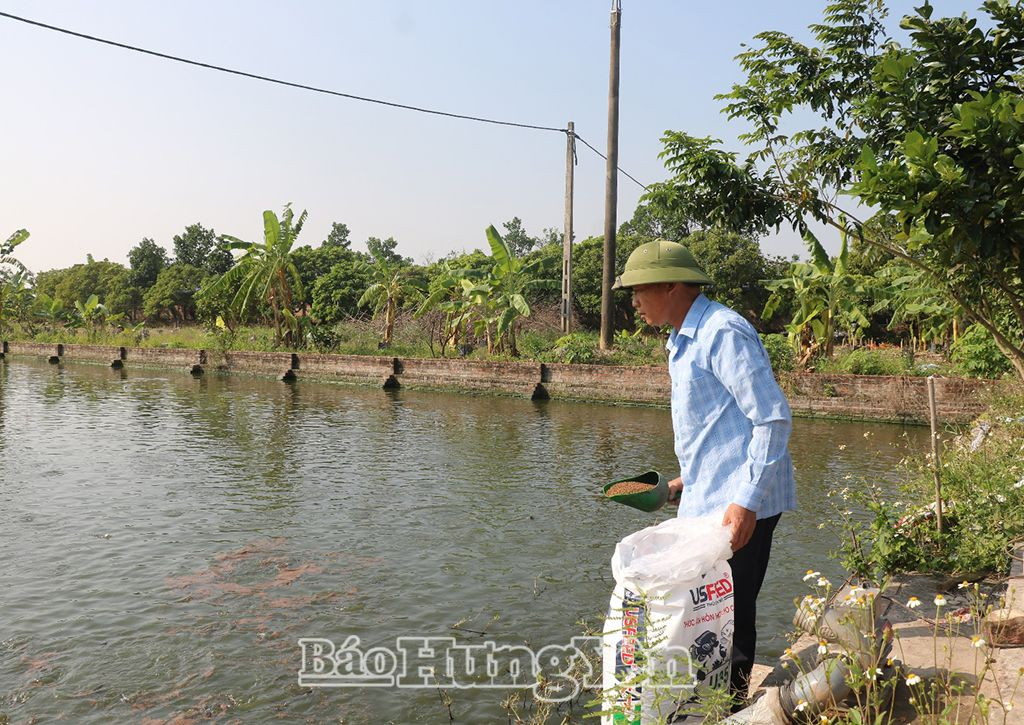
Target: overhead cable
column 302, row 86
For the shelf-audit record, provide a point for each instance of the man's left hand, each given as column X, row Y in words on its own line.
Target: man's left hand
column 741, row 523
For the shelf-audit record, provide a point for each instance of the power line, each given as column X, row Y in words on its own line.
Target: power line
column 278, row 81
column 303, row 86
column 621, row 170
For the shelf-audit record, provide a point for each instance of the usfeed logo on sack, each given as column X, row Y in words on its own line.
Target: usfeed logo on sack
column 711, row 593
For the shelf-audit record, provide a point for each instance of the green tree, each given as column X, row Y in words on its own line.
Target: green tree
column 385, row 249
column 930, row 133
column 447, row 294
column 93, row 313
column 146, row 259
column 509, row 281
column 335, row 295
column 338, row 236
column 313, row 263
column 53, row 314
column 738, row 267
column 515, row 237
column 390, row 288
column 201, row 247
column 78, row 282
column 7, row 260
column 174, row 293
column 122, row 295
column 14, row 281
column 266, row 273
column 826, row 301
column 653, row 219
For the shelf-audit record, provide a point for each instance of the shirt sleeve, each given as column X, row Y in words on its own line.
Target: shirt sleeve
column 740, row 362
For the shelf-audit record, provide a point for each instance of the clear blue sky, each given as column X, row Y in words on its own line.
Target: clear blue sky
column 101, row 147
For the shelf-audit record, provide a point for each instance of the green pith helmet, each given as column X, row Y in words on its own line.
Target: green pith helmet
column 660, row 261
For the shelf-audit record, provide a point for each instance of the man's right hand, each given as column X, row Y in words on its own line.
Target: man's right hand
column 675, row 490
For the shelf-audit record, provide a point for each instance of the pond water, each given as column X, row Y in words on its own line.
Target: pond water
column 167, row 540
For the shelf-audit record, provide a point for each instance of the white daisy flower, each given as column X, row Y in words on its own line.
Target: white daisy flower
column 913, row 603
column 940, row 601
column 913, row 680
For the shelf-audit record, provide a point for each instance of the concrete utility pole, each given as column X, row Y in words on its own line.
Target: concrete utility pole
column 570, row 164
column 611, row 185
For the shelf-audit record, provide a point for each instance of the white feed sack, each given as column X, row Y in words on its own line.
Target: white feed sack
column 673, row 602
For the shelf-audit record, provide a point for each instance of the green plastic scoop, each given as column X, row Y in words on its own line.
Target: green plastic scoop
column 650, row 500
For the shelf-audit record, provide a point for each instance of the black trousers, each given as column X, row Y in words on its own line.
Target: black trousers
column 748, row 567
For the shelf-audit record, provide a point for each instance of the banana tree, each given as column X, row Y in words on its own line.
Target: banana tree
column 390, row 290
column 912, row 301
column 6, row 249
column 92, row 313
column 15, row 300
column 510, row 279
column 448, row 295
column 826, row 296
column 265, row 272
column 53, row 314
column 15, row 279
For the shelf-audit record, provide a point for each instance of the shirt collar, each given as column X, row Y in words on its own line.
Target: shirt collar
column 694, row 316
column 690, row 323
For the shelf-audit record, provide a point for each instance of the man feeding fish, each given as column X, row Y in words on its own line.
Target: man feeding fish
column 730, row 419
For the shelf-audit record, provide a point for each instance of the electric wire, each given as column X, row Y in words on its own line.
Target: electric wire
column 304, row 86
column 621, row 169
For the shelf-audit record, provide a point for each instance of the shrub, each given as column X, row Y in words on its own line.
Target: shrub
column 977, row 355
column 867, row 362
column 780, row 352
column 576, row 347
column 875, row 362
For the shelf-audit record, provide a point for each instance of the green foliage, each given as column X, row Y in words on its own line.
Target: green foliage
column 576, row 347
column 825, row 297
column 385, row 249
column 868, row 362
column 588, row 262
column 313, row 263
column 174, row 294
column 266, row 273
column 15, row 297
column 213, row 301
column 336, row 293
column 976, row 354
column 107, row 280
column 519, row 242
column 485, row 304
column 983, row 507
column 780, row 352
column 7, row 261
column 146, row 259
column 930, row 133
column 390, row 286
column 737, row 266
column 337, row 237
column 201, row 247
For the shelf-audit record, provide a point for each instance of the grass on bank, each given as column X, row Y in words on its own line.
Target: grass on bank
column 982, row 478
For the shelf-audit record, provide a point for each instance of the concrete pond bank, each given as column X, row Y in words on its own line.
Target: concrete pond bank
column 857, row 397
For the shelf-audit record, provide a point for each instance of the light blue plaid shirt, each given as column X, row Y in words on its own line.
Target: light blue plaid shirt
column 730, row 418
